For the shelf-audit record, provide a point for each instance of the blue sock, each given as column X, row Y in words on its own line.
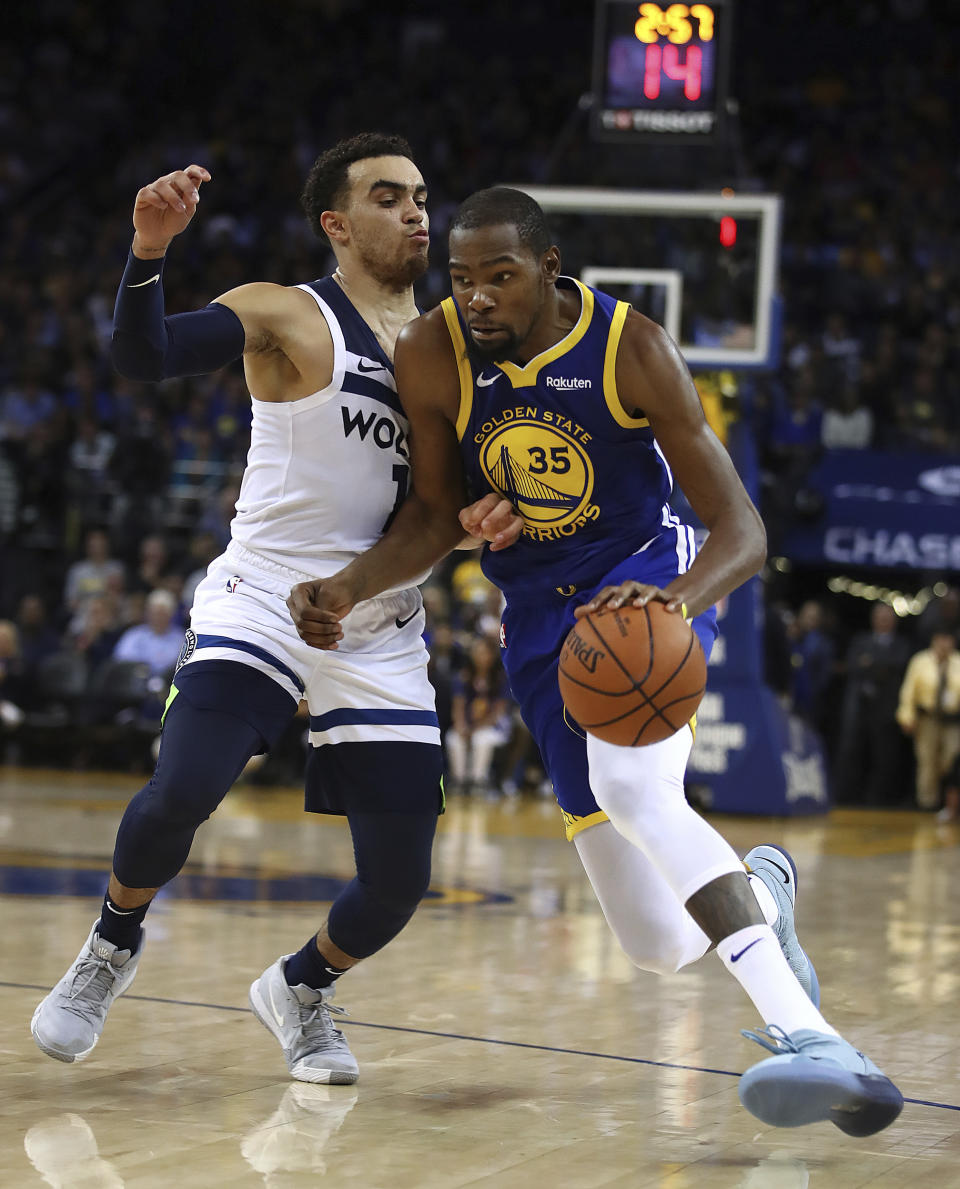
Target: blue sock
column 121, row 926
column 310, row 967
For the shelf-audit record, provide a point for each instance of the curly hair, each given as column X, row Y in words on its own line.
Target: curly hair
column 326, row 186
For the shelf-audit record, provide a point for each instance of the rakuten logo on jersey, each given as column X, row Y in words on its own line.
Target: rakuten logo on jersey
column 568, row 382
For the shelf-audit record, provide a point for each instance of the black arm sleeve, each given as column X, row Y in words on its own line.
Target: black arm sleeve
column 148, row 346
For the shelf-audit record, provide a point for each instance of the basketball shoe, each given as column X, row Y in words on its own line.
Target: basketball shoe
column 67, row 1024
column 815, row 1077
column 299, row 1017
column 775, row 868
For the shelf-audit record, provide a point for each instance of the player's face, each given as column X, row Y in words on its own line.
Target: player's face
column 500, row 287
column 387, row 219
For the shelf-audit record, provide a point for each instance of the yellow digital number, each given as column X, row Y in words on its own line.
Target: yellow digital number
column 703, row 14
column 654, row 23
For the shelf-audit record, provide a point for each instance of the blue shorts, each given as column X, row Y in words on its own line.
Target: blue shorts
column 532, row 636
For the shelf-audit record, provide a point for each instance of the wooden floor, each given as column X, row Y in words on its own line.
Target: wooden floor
column 503, row 1040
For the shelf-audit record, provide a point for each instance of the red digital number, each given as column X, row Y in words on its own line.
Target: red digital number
column 651, row 71
column 691, row 72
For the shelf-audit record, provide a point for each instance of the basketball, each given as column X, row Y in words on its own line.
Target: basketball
column 633, row 675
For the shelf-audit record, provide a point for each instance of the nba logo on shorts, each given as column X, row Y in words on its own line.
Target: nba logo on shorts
column 233, row 583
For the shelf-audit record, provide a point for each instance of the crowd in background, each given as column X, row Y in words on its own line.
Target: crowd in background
column 114, row 496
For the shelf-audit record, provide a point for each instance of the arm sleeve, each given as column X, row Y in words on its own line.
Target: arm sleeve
column 148, row 346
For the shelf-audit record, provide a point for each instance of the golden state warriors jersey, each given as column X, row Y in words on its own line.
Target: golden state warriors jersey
column 551, row 437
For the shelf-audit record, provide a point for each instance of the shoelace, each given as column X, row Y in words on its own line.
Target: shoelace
column 316, row 1025
column 773, row 1039
column 86, row 997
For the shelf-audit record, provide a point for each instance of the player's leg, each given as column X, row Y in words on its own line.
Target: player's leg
column 209, row 734
column 653, row 928
column 641, row 791
column 397, row 798
column 375, row 757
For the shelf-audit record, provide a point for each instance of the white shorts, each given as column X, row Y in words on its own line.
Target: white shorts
column 373, row 688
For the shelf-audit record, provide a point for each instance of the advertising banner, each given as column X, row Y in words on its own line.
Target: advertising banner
column 881, row 510
column 750, row 755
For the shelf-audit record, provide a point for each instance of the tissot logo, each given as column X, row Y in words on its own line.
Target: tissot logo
column 568, row 382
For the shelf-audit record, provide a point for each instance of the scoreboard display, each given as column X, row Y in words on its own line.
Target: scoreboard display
column 660, row 71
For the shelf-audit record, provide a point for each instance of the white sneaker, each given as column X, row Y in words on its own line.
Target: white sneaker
column 299, row 1017
column 67, row 1024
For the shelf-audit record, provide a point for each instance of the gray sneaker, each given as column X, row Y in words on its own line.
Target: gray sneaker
column 815, row 1077
column 775, row 868
column 299, row 1017
column 67, row 1024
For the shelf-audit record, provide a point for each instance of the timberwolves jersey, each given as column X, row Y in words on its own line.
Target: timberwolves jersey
column 551, row 436
column 326, row 473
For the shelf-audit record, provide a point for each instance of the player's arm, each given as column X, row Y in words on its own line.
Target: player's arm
column 148, row 345
column 651, row 376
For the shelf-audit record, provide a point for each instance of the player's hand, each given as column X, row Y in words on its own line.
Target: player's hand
column 165, row 207
column 637, row 594
column 317, row 607
column 492, row 519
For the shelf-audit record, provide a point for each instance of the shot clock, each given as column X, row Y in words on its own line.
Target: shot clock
column 660, row 71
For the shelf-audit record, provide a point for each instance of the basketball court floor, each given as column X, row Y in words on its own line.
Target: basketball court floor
column 503, row 1040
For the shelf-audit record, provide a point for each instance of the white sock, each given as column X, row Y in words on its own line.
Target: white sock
column 765, row 898
column 754, row 958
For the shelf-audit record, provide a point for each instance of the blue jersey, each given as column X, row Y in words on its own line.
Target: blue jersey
column 551, row 436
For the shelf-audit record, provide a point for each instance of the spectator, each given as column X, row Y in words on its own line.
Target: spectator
column 929, row 710
column 12, row 678
column 38, row 639
column 941, row 614
column 868, row 763
column 157, row 641
column 811, row 661
column 96, row 630
column 848, row 426
column 92, row 575
column 152, row 569
column 481, row 720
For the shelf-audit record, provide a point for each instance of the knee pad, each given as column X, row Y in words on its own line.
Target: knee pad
column 393, row 853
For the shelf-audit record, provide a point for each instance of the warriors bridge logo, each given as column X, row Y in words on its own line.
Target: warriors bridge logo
column 537, row 460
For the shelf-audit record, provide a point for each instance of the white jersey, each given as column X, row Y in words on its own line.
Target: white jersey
column 325, row 474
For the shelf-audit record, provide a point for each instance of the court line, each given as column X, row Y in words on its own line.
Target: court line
column 487, row 1040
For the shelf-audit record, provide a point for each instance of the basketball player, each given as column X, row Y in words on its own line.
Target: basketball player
column 327, row 467
column 580, row 410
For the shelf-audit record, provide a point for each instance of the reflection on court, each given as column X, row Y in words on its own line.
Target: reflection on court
column 503, row 1038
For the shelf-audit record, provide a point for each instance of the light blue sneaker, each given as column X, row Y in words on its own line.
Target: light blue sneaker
column 775, row 867
column 815, row 1077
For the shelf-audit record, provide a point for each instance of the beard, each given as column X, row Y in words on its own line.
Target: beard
column 480, row 356
column 397, row 273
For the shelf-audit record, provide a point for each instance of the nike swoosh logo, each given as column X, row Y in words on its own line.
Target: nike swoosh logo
column 402, row 623
column 374, row 367
column 785, row 874
column 737, row 957
column 483, row 381
column 153, row 280
column 278, row 1016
